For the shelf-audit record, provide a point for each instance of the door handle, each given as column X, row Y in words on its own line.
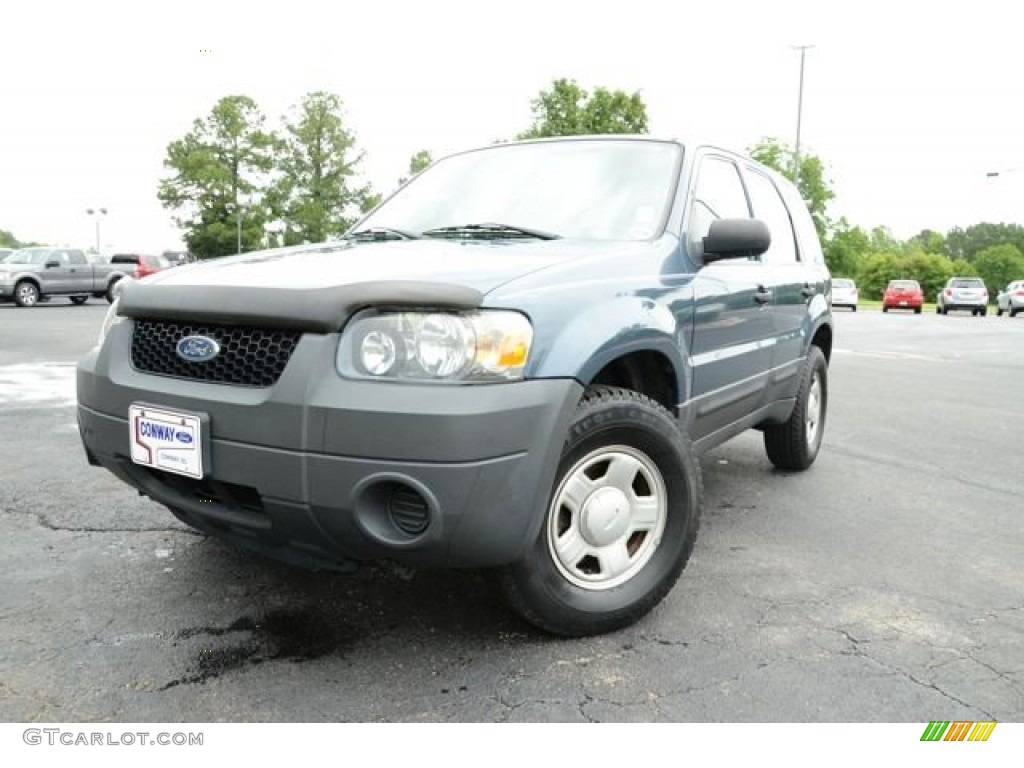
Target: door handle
column 762, row 295
column 808, row 290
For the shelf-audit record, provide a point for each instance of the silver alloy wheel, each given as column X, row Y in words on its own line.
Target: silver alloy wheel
column 813, row 413
column 607, row 517
column 27, row 294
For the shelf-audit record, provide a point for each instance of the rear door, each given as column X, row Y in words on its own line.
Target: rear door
column 80, row 272
column 793, row 283
column 733, row 331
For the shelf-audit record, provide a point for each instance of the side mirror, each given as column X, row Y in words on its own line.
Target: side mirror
column 52, row 264
column 735, row 239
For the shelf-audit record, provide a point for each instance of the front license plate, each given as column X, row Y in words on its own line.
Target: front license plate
column 166, row 440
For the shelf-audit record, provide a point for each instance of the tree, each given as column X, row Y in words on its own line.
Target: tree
column 568, row 110
column 814, row 188
column 998, row 265
column 845, row 249
column 316, row 195
column 220, row 174
column 968, row 243
column 928, row 241
column 417, row 164
column 8, row 240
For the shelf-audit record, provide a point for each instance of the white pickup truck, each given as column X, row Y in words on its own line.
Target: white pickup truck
column 32, row 275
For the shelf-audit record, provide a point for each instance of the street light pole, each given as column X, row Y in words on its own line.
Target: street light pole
column 97, row 212
column 799, row 113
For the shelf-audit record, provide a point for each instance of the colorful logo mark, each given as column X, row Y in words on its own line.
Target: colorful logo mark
column 961, row 730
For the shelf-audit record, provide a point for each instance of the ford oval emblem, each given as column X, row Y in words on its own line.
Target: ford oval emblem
column 198, row 349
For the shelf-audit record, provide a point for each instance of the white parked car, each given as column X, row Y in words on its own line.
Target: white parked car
column 1011, row 299
column 844, row 293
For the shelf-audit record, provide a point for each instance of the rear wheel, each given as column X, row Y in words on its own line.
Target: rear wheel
column 885, row 308
column 26, row 294
column 78, row 300
column 917, row 310
column 794, row 444
column 620, row 524
column 983, row 312
column 1013, row 312
column 999, row 311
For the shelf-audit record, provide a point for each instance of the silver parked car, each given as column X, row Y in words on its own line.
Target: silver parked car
column 963, row 293
column 844, row 293
column 1011, row 299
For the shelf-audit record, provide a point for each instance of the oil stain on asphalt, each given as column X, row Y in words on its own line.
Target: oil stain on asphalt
column 283, row 635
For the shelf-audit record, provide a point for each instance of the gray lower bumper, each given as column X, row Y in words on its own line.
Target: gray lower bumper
column 321, row 470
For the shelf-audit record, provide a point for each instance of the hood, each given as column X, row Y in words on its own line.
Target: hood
column 480, row 265
column 317, row 288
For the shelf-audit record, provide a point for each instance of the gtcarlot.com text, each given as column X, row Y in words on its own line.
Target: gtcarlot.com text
column 57, row 736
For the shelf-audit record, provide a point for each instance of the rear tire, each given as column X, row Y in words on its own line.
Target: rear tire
column 917, row 310
column 794, row 444
column 78, row 300
column 621, row 520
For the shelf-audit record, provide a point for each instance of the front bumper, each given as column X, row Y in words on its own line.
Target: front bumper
column 309, row 470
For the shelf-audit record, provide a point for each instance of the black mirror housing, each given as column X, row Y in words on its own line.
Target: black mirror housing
column 735, row 239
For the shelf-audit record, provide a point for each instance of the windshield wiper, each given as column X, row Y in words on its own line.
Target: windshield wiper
column 489, row 229
column 381, row 233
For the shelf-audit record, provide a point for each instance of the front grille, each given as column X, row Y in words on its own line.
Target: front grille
column 249, row 357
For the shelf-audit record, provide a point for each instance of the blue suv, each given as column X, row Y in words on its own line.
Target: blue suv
column 513, row 363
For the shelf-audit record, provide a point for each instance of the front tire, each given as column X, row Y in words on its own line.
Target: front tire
column 621, row 521
column 78, row 300
column 26, row 294
column 794, row 444
column 110, row 292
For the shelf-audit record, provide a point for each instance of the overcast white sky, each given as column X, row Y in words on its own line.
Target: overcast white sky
column 908, row 104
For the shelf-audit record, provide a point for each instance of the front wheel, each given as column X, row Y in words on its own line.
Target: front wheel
column 794, row 444
column 110, row 292
column 78, row 300
column 26, row 294
column 621, row 522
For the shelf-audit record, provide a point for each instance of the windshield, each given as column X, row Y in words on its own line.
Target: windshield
column 968, row 283
column 904, row 285
column 29, row 256
column 590, row 189
column 838, row 282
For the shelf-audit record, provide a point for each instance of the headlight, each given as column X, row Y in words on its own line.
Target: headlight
column 481, row 346
column 109, row 321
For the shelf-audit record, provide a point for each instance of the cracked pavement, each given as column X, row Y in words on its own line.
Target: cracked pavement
column 882, row 585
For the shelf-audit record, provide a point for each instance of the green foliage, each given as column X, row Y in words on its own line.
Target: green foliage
column 845, row 249
column 963, row 268
column 8, row 240
column 999, row 265
column 316, row 196
column 931, row 270
column 568, row 110
column 219, row 176
column 929, row 241
column 417, row 164
column 815, row 189
column 968, row 243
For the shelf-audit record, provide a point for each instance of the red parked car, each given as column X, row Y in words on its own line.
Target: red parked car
column 145, row 263
column 903, row 294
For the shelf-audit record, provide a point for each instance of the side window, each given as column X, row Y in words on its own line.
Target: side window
column 76, row 257
column 768, row 207
column 60, row 256
column 719, row 195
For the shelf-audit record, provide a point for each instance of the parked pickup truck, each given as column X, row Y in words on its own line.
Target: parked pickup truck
column 32, row 275
column 512, row 364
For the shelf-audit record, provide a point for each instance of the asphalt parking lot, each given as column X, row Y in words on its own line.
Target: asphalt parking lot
column 885, row 584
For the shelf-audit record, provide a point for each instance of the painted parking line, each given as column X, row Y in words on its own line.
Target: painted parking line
column 37, row 385
column 893, row 355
